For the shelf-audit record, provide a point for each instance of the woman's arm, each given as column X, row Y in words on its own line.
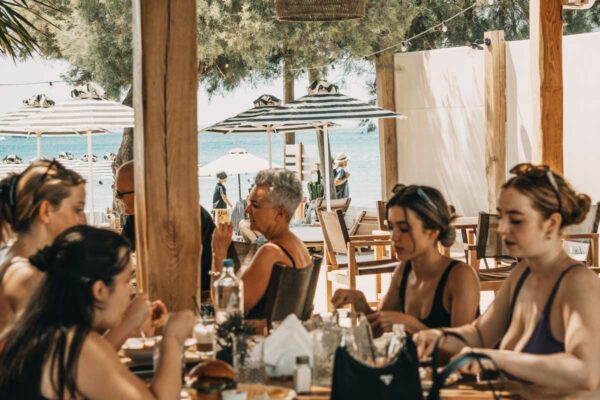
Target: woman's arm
column 221, row 239
column 463, row 285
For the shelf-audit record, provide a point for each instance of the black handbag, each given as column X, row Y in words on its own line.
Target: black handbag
column 439, row 378
column 399, row 380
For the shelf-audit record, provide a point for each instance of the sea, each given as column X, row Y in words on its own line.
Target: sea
column 361, row 147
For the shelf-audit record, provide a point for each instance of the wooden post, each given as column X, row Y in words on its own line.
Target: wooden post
column 388, row 144
column 495, row 115
column 288, row 97
column 546, row 29
column 166, row 149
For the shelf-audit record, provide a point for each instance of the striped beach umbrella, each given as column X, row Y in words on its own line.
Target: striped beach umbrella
column 263, row 105
column 322, row 105
column 10, row 123
column 88, row 112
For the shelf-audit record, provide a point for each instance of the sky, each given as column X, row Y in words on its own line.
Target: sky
column 211, row 110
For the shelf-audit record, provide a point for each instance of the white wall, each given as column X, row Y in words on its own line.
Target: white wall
column 442, row 143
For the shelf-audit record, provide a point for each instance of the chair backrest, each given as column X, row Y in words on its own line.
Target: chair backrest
column 381, row 215
column 291, row 291
column 336, row 204
column 364, row 223
column 489, row 243
column 335, row 233
column 589, row 224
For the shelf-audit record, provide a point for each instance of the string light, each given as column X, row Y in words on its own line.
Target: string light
column 50, row 83
column 404, row 47
column 444, row 27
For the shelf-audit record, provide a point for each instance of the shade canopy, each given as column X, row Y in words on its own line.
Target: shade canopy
column 240, row 123
column 323, row 104
column 236, row 161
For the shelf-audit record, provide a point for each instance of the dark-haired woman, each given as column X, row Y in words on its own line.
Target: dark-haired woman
column 428, row 289
column 56, row 351
column 543, row 325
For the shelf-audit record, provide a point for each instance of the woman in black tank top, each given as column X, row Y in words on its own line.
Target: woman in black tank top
column 271, row 204
column 543, row 325
column 428, row 289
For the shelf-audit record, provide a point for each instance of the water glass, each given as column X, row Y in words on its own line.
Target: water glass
column 248, row 359
column 325, row 344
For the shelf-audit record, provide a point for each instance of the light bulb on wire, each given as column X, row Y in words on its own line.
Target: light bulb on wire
column 444, row 27
column 404, row 47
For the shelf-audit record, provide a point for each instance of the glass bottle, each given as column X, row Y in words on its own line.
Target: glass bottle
column 229, row 291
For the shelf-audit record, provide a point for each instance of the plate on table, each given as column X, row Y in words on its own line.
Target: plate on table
column 141, row 350
column 273, row 392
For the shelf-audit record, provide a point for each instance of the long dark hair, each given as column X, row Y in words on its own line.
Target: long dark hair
column 430, row 207
column 79, row 256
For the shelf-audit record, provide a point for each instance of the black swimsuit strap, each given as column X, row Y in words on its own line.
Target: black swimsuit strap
column 403, row 282
column 520, row 283
column 287, row 254
column 438, row 298
column 548, row 306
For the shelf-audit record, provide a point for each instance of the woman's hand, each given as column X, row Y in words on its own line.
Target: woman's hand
column 221, row 239
column 180, row 325
column 476, row 366
column 137, row 312
column 425, row 341
column 157, row 318
column 343, row 297
column 384, row 320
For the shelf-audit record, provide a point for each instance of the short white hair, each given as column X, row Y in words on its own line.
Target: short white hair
column 285, row 189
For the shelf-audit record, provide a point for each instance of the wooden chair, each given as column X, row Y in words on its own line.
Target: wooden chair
column 364, row 223
column 381, row 215
column 292, row 291
column 339, row 242
column 585, row 234
column 491, row 246
column 336, row 204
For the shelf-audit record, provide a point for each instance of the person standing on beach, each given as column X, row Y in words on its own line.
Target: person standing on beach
column 220, row 200
column 125, row 193
column 341, row 176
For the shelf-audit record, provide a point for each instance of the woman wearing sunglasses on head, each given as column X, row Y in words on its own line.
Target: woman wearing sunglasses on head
column 543, row 325
column 428, row 289
column 36, row 206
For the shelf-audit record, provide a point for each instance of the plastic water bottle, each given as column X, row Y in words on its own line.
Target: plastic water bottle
column 229, row 293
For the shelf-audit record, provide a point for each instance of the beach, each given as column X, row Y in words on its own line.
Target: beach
column 362, row 148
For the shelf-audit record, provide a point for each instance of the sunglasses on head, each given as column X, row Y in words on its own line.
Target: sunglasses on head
column 528, row 169
column 419, row 191
column 120, row 195
column 42, row 179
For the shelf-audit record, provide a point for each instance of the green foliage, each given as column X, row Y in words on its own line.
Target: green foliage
column 17, row 31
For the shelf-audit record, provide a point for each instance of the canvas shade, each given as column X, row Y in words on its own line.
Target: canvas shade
column 323, row 104
column 86, row 114
column 9, row 122
column 264, row 104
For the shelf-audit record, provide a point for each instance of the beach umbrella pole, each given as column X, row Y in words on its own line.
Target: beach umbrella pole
column 240, row 187
column 38, row 145
column 270, row 148
column 326, row 167
column 91, row 176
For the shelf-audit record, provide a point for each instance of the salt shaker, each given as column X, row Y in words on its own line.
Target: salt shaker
column 302, row 375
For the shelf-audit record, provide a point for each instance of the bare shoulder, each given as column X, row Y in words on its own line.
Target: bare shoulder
column 580, row 283
column 20, row 269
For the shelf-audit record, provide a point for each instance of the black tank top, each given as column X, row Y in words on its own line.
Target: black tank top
column 541, row 341
column 438, row 316
column 258, row 311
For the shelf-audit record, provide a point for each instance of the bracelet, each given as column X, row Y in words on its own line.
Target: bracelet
column 214, row 273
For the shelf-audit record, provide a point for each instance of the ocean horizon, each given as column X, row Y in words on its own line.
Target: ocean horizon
column 362, row 148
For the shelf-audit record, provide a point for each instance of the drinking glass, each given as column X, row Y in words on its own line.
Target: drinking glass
column 248, row 358
column 325, row 344
column 204, row 333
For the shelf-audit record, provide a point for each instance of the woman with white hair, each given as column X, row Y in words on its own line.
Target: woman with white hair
column 271, row 205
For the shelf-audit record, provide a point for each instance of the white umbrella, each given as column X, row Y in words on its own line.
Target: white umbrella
column 264, row 104
column 322, row 105
column 87, row 112
column 236, row 162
